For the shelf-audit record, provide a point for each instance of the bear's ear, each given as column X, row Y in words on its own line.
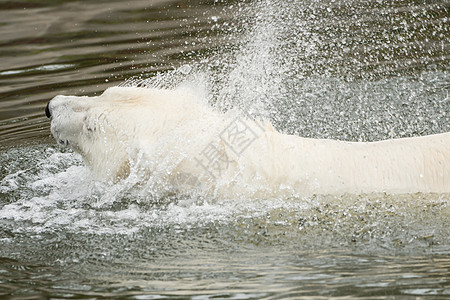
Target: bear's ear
column 127, row 94
column 120, row 93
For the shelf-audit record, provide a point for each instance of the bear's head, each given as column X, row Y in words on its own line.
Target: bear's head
column 93, row 127
column 110, row 130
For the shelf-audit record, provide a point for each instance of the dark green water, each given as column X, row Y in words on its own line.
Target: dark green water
column 336, row 69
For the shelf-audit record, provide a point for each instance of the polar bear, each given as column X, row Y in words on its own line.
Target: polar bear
column 180, row 140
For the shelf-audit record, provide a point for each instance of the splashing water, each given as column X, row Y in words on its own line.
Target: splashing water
column 321, row 70
column 284, row 70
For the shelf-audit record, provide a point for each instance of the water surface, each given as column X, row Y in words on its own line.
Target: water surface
column 350, row 70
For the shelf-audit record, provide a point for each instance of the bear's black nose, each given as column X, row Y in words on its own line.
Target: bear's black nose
column 47, row 111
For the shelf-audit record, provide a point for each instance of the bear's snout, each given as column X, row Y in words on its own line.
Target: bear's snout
column 47, row 111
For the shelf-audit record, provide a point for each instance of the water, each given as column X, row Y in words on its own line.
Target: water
column 335, row 69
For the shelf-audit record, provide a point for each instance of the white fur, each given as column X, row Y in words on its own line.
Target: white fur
column 164, row 134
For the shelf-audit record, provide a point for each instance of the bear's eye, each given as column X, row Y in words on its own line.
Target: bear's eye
column 88, row 126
